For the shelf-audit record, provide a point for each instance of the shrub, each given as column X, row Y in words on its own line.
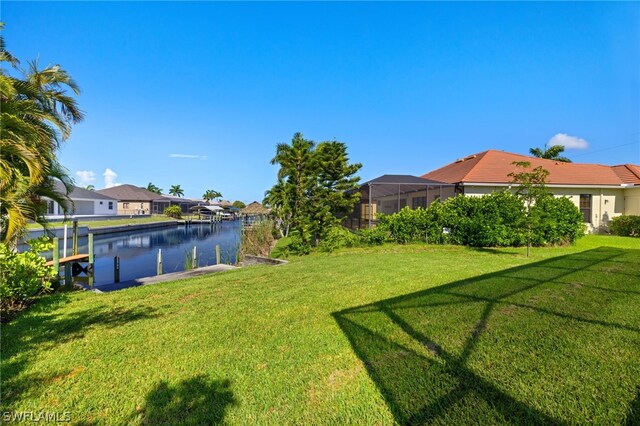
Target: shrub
column 258, row 239
column 557, row 221
column 374, row 236
column 627, row 226
column 491, row 220
column 173, row 211
column 338, row 237
column 23, row 275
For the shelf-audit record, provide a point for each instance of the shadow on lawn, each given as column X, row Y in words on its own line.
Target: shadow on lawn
column 41, row 328
column 196, row 401
column 418, row 348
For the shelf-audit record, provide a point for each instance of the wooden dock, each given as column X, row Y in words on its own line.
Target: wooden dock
column 70, row 259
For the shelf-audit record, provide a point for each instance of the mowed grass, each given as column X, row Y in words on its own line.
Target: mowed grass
column 133, row 220
column 392, row 334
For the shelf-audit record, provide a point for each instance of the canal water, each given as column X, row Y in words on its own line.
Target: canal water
column 138, row 250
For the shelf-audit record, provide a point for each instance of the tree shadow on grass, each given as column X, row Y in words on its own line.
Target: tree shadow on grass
column 44, row 327
column 467, row 352
column 196, row 401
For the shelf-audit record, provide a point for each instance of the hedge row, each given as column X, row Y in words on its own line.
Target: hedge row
column 494, row 220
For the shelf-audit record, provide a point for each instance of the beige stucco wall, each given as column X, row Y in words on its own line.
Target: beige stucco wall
column 632, row 201
column 134, row 207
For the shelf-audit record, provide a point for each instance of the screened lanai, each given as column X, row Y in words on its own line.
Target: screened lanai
column 389, row 194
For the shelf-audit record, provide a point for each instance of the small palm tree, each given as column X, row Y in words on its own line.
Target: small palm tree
column 176, row 191
column 211, row 194
column 37, row 115
column 550, row 153
column 151, row 187
column 90, row 187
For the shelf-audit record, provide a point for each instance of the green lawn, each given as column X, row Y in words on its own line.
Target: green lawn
column 108, row 222
column 392, row 334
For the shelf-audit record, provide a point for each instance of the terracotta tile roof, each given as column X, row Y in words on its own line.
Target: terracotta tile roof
column 494, row 167
column 628, row 173
column 131, row 193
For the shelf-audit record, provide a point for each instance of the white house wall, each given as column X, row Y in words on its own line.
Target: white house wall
column 101, row 207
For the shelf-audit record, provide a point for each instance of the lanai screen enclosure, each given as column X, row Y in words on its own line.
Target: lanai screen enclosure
column 389, row 194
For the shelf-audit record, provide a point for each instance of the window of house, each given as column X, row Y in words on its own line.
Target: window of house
column 418, row 202
column 50, row 207
column 110, row 205
column 125, row 205
column 585, row 207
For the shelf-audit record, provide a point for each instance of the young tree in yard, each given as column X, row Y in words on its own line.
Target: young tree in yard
column 336, row 183
column 315, row 187
column 239, row 204
column 297, row 175
column 550, row 153
column 176, row 191
column 530, row 188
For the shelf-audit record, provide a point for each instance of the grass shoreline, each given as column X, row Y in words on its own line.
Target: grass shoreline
column 391, row 334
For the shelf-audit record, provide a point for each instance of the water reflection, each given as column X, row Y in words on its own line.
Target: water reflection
column 138, row 249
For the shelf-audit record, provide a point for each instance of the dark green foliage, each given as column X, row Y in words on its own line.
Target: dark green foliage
column 23, row 275
column 550, row 153
column 239, row 204
column 627, row 226
column 374, row 236
column 494, row 220
column 316, row 188
column 338, row 237
column 173, row 211
column 557, row 222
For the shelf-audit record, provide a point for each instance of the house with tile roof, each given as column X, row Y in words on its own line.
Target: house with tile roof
column 83, row 203
column 600, row 192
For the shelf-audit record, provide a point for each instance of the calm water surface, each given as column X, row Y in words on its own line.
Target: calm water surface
column 138, row 250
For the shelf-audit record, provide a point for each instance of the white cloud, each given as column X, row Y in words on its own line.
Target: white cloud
column 201, row 157
column 85, row 177
column 110, row 178
column 569, row 142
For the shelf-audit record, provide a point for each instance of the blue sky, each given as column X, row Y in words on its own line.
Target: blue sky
column 198, row 94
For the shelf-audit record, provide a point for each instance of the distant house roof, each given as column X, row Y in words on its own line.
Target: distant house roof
column 402, row 180
column 131, row 193
column 78, row 193
column 494, row 167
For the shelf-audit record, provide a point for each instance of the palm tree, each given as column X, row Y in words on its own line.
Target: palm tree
column 211, row 194
column 550, row 153
column 175, row 190
column 36, row 116
column 151, row 187
column 90, row 187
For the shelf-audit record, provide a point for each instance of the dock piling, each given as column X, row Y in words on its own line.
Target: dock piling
column 67, row 274
column 194, row 258
column 64, row 242
column 116, row 269
column 56, row 256
column 217, row 254
column 91, row 259
column 159, row 266
column 75, row 238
